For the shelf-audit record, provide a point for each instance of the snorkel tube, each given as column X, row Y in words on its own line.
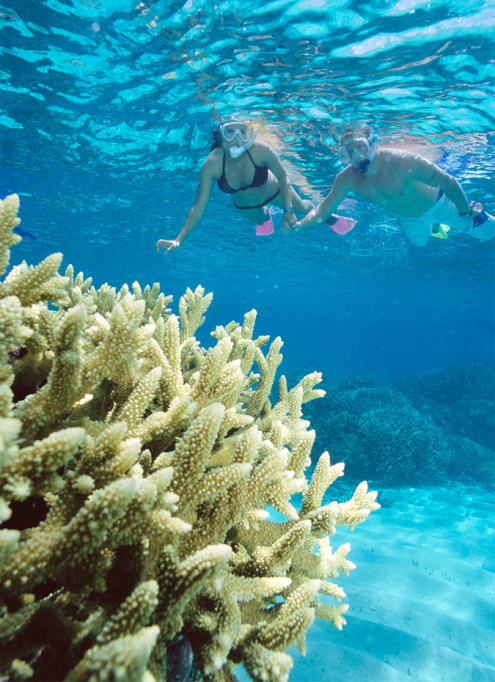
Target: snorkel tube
column 363, row 165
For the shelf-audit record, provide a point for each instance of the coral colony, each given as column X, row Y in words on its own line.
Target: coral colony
column 136, row 474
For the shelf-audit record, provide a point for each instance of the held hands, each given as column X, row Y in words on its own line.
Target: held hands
column 289, row 230
column 288, row 224
column 169, row 244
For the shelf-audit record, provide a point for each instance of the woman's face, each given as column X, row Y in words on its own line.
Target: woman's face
column 237, row 136
column 236, row 129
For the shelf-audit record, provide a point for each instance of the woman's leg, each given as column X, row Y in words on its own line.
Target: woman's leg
column 300, row 205
column 256, row 215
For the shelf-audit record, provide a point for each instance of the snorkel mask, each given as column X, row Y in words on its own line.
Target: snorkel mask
column 359, row 150
column 233, row 128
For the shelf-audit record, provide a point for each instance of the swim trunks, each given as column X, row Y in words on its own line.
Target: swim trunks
column 418, row 230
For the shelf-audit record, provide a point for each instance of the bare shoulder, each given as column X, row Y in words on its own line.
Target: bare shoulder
column 345, row 180
column 213, row 163
column 401, row 157
column 262, row 150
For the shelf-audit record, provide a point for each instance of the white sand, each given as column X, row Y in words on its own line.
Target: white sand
column 421, row 599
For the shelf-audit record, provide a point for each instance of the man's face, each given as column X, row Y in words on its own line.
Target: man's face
column 355, row 148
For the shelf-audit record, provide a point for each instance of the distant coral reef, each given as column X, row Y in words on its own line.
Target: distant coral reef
column 425, row 430
column 136, row 474
column 460, row 399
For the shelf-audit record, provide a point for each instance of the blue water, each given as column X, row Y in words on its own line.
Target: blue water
column 106, row 108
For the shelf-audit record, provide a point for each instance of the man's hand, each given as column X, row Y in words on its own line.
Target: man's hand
column 169, row 244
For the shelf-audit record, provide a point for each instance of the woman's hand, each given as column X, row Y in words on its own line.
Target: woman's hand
column 169, row 244
column 288, row 230
column 288, row 222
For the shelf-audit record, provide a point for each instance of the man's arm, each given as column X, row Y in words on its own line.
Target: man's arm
column 430, row 174
column 331, row 202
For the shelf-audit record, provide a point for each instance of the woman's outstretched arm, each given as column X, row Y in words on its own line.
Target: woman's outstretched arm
column 197, row 211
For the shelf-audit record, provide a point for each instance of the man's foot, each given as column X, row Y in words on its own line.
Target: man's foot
column 483, row 226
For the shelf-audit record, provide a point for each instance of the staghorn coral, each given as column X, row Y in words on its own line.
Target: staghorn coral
column 152, row 462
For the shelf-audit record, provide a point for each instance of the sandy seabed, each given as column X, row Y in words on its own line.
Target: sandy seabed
column 422, row 598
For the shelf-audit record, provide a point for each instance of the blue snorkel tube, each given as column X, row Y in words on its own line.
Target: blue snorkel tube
column 363, row 165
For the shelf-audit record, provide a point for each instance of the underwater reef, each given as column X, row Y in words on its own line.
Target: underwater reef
column 459, row 399
column 137, row 471
column 424, row 431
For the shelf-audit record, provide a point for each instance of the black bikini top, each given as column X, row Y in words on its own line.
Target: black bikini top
column 259, row 178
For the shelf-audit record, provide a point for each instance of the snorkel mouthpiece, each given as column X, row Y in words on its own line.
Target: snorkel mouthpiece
column 236, row 151
column 362, row 166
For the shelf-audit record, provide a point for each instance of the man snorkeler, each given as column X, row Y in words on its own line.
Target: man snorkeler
column 250, row 172
column 424, row 197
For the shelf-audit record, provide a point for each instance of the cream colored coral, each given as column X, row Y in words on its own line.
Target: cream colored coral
column 64, row 383
column 114, row 356
column 8, row 220
column 133, row 614
column 120, row 660
column 180, row 582
column 20, row 670
column 266, row 665
column 268, row 367
column 33, row 471
column 293, row 620
column 158, row 460
column 9, row 432
column 324, row 475
column 32, row 284
column 12, row 330
column 192, row 306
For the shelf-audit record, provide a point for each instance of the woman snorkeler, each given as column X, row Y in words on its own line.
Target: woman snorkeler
column 250, row 171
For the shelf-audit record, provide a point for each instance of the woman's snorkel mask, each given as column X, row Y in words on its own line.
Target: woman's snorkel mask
column 233, row 128
column 359, row 149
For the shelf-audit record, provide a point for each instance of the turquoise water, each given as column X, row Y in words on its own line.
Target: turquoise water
column 106, row 108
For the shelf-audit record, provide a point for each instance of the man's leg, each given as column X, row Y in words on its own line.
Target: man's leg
column 417, row 230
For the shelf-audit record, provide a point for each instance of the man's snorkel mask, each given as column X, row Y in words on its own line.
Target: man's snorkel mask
column 234, row 128
column 358, row 147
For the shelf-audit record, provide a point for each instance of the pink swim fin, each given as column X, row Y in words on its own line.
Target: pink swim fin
column 265, row 228
column 339, row 224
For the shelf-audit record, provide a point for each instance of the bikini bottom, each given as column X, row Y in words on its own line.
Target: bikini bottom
column 264, row 203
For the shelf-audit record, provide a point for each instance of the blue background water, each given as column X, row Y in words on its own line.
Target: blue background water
column 106, row 108
column 106, row 111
